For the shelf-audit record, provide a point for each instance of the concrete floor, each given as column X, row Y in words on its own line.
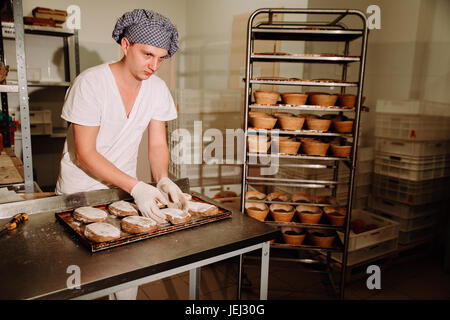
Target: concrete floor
column 423, row 278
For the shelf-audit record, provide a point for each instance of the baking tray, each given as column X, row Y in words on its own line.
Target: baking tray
column 78, row 228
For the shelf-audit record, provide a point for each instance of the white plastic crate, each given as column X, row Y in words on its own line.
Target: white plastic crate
column 365, row 154
column 358, row 191
column 413, row 163
column 412, row 168
column 367, row 253
column 413, row 107
column 41, row 129
column 412, row 148
column 401, row 210
column 360, row 179
column 387, row 230
column 193, row 171
column 413, row 175
column 362, row 176
column 360, row 203
column 407, row 225
column 198, row 101
column 211, row 191
column 415, row 235
column 411, row 127
column 204, row 121
column 409, row 192
column 360, row 197
column 40, row 116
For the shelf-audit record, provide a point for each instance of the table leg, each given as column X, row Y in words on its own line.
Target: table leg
column 264, row 270
column 239, row 285
column 194, row 283
column 447, row 251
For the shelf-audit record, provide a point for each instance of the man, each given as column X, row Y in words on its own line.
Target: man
column 110, row 106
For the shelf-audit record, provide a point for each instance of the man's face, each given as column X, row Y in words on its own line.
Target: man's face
column 143, row 59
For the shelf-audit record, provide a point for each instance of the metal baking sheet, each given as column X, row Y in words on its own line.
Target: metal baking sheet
column 78, row 228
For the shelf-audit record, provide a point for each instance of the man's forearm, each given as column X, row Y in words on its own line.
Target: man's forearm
column 100, row 167
column 158, row 157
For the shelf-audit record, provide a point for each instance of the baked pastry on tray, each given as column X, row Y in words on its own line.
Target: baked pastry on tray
column 176, row 216
column 101, row 232
column 122, row 209
column 202, row 209
column 89, row 214
column 138, row 224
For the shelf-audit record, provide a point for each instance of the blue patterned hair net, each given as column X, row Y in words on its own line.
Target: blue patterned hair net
column 147, row 27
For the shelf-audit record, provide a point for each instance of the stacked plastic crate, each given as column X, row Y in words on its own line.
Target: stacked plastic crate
column 412, row 166
column 199, row 134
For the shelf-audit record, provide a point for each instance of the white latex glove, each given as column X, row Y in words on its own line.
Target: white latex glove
column 173, row 194
column 146, row 197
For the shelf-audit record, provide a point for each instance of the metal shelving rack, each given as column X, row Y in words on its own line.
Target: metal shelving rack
column 331, row 30
column 16, row 31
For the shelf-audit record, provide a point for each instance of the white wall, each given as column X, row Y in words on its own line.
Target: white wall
column 99, row 17
column 431, row 79
column 207, row 46
column 409, row 57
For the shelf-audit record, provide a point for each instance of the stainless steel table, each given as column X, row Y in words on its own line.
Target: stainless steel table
column 37, row 260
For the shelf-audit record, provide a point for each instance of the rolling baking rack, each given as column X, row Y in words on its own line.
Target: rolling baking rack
column 330, row 30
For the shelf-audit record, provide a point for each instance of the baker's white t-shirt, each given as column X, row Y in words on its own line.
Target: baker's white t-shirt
column 94, row 100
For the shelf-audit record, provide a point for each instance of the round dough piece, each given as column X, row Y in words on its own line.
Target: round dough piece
column 176, row 216
column 122, row 209
column 202, row 209
column 89, row 214
column 326, row 199
column 278, row 196
column 255, row 195
column 101, row 232
column 301, row 197
column 138, row 224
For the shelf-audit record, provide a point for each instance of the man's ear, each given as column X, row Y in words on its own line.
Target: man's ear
column 125, row 45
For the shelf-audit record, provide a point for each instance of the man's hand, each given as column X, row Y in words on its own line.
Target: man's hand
column 173, row 193
column 146, row 197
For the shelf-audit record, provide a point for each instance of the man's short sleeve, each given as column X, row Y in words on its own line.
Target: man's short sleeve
column 165, row 109
column 82, row 104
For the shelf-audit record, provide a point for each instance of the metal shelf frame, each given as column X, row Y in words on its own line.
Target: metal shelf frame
column 298, row 82
column 305, row 59
column 331, row 30
column 16, row 31
column 299, row 107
